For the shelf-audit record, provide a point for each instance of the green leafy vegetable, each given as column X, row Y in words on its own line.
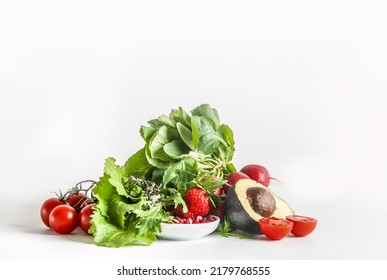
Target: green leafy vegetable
column 182, row 146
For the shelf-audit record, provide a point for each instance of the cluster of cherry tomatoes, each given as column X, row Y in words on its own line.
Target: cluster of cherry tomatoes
column 66, row 211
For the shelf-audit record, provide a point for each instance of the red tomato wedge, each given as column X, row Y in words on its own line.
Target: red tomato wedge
column 274, row 228
column 302, row 225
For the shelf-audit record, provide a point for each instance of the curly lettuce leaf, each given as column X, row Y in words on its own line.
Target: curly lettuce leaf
column 124, row 215
column 117, row 175
column 110, row 235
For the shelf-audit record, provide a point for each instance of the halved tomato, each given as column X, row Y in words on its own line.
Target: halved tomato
column 274, row 228
column 302, row 225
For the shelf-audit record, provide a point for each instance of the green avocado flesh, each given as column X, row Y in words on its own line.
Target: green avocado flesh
column 248, row 201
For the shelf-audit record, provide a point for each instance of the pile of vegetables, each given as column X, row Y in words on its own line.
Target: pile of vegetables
column 182, row 150
column 183, row 172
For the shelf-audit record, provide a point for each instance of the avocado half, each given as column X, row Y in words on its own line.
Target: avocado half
column 249, row 201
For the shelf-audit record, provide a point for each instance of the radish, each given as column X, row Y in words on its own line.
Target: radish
column 217, row 191
column 258, row 173
column 232, row 179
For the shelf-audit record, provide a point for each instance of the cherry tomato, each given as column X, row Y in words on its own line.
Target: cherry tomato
column 302, row 225
column 63, row 219
column 76, row 200
column 86, row 202
column 85, row 217
column 47, row 207
column 274, row 228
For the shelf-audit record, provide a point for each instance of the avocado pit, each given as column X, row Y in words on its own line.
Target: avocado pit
column 261, row 200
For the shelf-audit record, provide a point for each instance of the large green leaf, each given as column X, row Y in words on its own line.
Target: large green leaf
column 195, row 133
column 137, row 165
column 157, row 142
column 209, row 137
column 147, row 132
column 227, row 134
column 205, row 110
column 154, row 161
column 176, row 149
column 186, row 135
column 180, row 116
column 181, row 171
column 161, row 121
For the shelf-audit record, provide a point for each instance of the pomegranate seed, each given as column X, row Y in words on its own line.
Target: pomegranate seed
column 212, row 219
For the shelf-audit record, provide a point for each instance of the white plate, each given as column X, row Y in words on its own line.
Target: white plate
column 187, row 231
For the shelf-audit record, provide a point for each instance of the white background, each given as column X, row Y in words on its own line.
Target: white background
column 302, row 84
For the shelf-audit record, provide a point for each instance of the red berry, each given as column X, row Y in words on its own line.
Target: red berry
column 212, row 219
column 198, row 204
column 198, row 220
column 180, row 213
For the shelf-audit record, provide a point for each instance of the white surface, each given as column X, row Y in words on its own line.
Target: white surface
column 301, row 84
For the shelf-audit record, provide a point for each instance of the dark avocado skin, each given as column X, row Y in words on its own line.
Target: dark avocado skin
column 237, row 215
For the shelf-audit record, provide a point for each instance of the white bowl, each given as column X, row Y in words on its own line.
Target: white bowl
column 187, row 231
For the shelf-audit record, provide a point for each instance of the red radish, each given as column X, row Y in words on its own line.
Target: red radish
column 218, row 192
column 232, row 179
column 258, row 173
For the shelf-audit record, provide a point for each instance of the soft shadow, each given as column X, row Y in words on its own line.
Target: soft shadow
column 262, row 238
column 76, row 236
